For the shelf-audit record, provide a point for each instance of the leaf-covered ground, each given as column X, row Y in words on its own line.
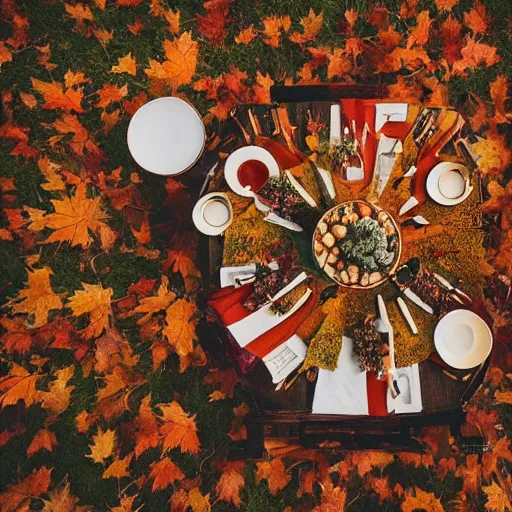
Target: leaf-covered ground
column 107, row 400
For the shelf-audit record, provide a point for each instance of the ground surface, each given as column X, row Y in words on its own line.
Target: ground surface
column 107, row 400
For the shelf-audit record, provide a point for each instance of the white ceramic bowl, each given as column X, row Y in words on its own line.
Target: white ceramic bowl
column 448, row 183
column 213, row 214
column 463, row 339
column 166, row 136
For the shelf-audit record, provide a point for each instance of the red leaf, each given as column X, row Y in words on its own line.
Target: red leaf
column 213, row 24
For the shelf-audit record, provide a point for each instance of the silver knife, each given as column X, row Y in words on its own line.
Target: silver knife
column 209, row 175
column 407, row 315
column 451, row 288
column 412, row 296
column 408, row 205
column 392, row 381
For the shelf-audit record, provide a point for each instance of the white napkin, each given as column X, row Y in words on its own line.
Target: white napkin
column 409, row 399
column 285, row 358
column 342, row 391
column 385, row 112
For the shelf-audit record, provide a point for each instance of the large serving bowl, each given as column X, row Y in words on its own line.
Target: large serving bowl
column 357, row 244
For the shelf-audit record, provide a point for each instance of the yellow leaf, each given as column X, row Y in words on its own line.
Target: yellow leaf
column 180, row 329
column 246, row 35
column 95, row 301
column 151, row 305
column 19, row 384
column 103, row 445
column 38, row 299
column 49, row 170
column 119, row 468
column 79, row 12
column 74, row 217
column 497, row 499
column 57, row 399
column 44, row 439
column 312, row 25
column 198, row 502
column 504, row 397
column 275, row 474
column 126, row 64
column 178, row 429
column 417, row 498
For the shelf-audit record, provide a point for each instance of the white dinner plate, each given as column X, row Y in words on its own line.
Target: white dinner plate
column 238, row 157
column 463, row 339
column 435, row 182
column 198, row 215
column 166, row 136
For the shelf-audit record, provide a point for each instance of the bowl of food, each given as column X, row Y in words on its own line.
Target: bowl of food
column 357, row 244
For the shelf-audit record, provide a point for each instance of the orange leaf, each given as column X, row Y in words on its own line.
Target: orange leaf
column 503, row 397
column 417, row 498
column 273, row 26
column 38, row 299
column 5, row 54
column 71, row 79
column 103, row 445
column 55, row 97
column 49, row 169
column 103, row 35
column 497, row 499
column 44, row 439
column 58, row 397
column 19, row 384
column 131, row 106
column 84, row 421
column 34, row 485
column 339, row 64
column 198, row 502
column 492, row 461
column 145, row 428
column 136, row 27
column 180, row 330
column 73, row 218
column 112, row 349
column 93, row 300
column 420, row 33
column 452, row 39
column 446, row 5
column 110, row 93
column 475, row 54
column 389, row 37
column 246, row 35
column 173, row 18
column 126, row 64
column 499, row 93
column 164, row 473
column 178, row 429
column 275, row 474
column 155, row 304
column 196, row 358
column 119, row 468
column 476, row 19
column 231, row 481
column 227, row 379
column 17, row 338
column 351, row 15
column 238, row 430
column 312, row 25
column 180, row 66
column 262, row 89
column 29, row 100
column 381, row 487
column 212, row 25
column 110, row 120
column 61, row 500
column 79, row 12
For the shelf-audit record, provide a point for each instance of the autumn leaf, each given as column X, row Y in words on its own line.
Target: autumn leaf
column 499, row 94
column 38, row 299
column 212, row 25
column 74, row 218
column 312, row 25
column 61, row 500
column 43, row 440
column 351, row 15
column 110, row 120
column 112, row 349
column 119, row 468
column 126, row 64
column 5, row 54
column 79, row 12
column 475, row 54
column 503, row 397
column 55, row 97
column 420, row 33
column 261, row 90
column 110, row 93
column 497, row 499
column 34, row 485
column 273, row 27
column 246, row 36
column 57, row 399
column 417, row 498
column 196, row 358
column 230, row 482
column 178, row 429
column 451, row 35
column 227, row 379
column 173, row 19
column 198, row 502
column 145, row 428
column 493, row 154
column 136, row 27
column 84, row 421
column 29, row 100
column 180, row 66
column 180, row 330
column 275, row 474
column 71, row 78
column 333, row 497
column 339, row 64
column 103, row 445
column 155, row 304
column 164, row 473
column 476, row 19
column 17, row 337
column 49, row 169
column 93, row 300
column 446, row 5
column 125, row 504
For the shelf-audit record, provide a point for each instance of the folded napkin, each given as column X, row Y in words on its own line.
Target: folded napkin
column 285, row 358
column 409, row 399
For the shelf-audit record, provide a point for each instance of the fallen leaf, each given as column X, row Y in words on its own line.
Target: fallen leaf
column 145, row 428
column 198, row 502
column 125, row 504
column 178, row 429
column 420, row 33
column 84, row 421
column 71, row 78
column 227, row 379
column 493, row 155
column 446, row 5
column 29, row 100
column 155, row 304
column 49, row 170
column 238, row 430
column 497, row 499
column 492, row 461
column 79, row 12
column 503, row 397
column 475, row 54
column 499, row 94
column 57, row 399
column 112, row 349
column 5, row 54
column 246, row 36
column 312, row 25
column 136, row 27
column 212, row 25
column 339, row 64
column 164, row 473
column 93, row 300
column 120, row 468
column 275, row 474
column 126, row 64
column 44, row 439
column 451, row 35
column 351, row 15
column 230, row 482
column 33, row 486
column 416, row 498
column 110, row 93
column 61, row 500
column 38, row 299
column 173, row 18
column 476, row 19
column 273, row 27
column 131, row 106
column 103, row 445
column 180, row 330
column 110, row 120
column 55, row 97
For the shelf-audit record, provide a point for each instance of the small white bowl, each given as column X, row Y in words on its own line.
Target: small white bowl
column 213, row 214
column 448, row 183
column 238, row 157
column 463, row 339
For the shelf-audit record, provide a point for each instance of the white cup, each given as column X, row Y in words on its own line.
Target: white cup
column 452, row 184
column 216, row 212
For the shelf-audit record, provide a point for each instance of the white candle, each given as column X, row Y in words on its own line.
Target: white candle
column 335, row 124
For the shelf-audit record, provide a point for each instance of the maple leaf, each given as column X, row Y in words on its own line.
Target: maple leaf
column 491, row 461
column 227, row 379
column 38, row 299
column 417, row 498
column 74, row 217
column 366, row 461
column 333, row 498
column 246, row 35
column 196, row 358
column 405, row 90
column 339, row 64
column 142, row 287
column 155, row 304
column 389, row 37
column 125, row 504
column 503, row 397
column 145, row 428
column 84, row 421
column 110, row 93
column 7, row 435
column 5, row 54
column 475, row 54
column 420, row 33
column 54, row 181
column 55, row 97
column 261, row 90
column 497, row 499
column 476, row 19
column 178, row 429
column 180, row 66
column 103, row 445
column 451, row 35
column 44, row 439
column 112, row 349
column 446, row 5
column 273, row 26
column 180, row 330
column 57, row 398
column 275, row 474
column 312, row 25
column 164, row 473
column 136, row 27
column 126, row 64
column 179, row 259
column 79, row 12
column 71, row 78
column 173, row 19
column 493, row 156
column 213, row 24
column 34, row 485
column 198, row 502
column 61, row 500
column 351, row 15
column 110, row 120
column 93, row 300
column 231, row 481
column 29, row 100
column 499, row 94
column 119, row 468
